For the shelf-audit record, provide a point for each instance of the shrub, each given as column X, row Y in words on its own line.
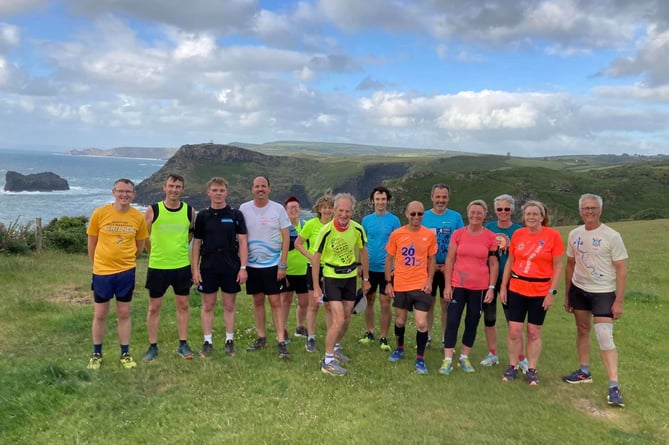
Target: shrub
column 67, row 234
column 17, row 238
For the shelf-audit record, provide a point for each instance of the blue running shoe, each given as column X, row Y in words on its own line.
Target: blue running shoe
column 615, row 398
column 578, row 376
column 396, row 355
column 420, row 367
column 510, row 374
column 532, row 378
column 466, row 365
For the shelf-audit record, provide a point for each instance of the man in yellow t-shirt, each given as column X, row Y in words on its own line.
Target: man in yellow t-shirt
column 116, row 236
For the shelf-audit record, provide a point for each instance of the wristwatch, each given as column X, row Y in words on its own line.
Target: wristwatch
column 553, row 291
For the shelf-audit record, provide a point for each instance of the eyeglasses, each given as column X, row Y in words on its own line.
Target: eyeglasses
column 589, row 209
column 124, row 192
column 415, row 213
column 503, row 209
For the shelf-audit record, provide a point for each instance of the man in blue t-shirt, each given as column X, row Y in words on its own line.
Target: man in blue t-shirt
column 378, row 227
column 444, row 222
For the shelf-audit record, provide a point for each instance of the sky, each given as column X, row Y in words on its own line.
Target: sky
column 525, row 77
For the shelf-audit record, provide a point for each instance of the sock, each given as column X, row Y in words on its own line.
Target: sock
column 337, row 347
column 493, row 351
column 463, row 356
column 421, row 342
column 420, row 357
column 585, row 369
column 399, row 334
column 97, row 349
column 207, row 339
column 521, row 357
column 311, row 337
column 229, row 336
column 181, row 342
column 613, row 383
column 153, row 345
column 329, row 358
column 125, row 349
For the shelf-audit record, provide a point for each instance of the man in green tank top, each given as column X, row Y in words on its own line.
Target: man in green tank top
column 170, row 223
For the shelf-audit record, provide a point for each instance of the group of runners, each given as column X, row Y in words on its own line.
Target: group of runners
column 434, row 257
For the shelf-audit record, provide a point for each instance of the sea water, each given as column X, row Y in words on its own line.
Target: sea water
column 91, row 179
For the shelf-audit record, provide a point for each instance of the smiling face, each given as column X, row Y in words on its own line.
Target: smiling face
column 590, row 212
column 440, row 200
column 124, row 193
column 343, row 211
column 293, row 209
column 173, row 189
column 503, row 210
column 476, row 215
column 532, row 217
column 217, row 194
column 380, row 202
column 414, row 214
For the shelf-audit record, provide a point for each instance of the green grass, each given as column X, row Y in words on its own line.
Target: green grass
column 48, row 397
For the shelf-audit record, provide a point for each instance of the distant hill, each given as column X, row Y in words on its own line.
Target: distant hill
column 633, row 187
column 126, row 152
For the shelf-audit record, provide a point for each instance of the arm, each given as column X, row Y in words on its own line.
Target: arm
column 621, row 282
column 285, row 245
column 431, row 267
column 92, row 244
column 557, row 271
column 493, row 271
column 364, row 260
column 299, row 246
column 388, row 274
column 243, row 242
column 568, row 274
column 315, row 268
column 448, row 272
column 195, row 261
column 148, row 218
column 504, row 287
column 140, row 243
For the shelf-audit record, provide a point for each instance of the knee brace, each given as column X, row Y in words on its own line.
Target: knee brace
column 604, row 333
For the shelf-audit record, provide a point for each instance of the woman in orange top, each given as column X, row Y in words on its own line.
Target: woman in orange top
column 532, row 272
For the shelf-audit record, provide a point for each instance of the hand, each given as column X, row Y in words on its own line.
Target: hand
column 489, row 295
column 366, row 286
column 503, row 296
column 197, row 278
column 548, row 301
column 617, row 310
column 427, row 288
column 242, row 276
column 390, row 292
column 448, row 294
column 280, row 274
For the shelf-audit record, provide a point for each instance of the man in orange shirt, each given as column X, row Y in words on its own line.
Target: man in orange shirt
column 411, row 252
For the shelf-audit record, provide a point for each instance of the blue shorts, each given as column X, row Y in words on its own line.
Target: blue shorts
column 120, row 285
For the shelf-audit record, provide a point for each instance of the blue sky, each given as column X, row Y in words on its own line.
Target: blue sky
column 532, row 78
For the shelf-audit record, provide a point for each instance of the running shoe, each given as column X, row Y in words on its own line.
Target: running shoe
column 420, row 367
column 383, row 342
column 301, row 332
column 283, row 350
column 95, row 361
column 151, row 354
column 310, row 345
column 510, row 374
column 397, row 355
column 333, row 368
column 615, row 398
column 523, row 365
column 127, row 362
column 286, row 337
column 206, row 349
column 490, row 360
column 367, row 339
column 185, row 352
column 466, row 365
column 230, row 348
column 258, row 343
column 578, row 376
column 339, row 355
column 532, row 378
column 446, row 366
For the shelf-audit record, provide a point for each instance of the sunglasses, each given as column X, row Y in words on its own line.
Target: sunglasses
column 503, row 209
column 415, row 213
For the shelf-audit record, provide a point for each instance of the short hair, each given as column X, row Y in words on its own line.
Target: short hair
column 291, row 198
column 125, row 181
column 175, row 178
column 585, row 196
column 261, row 176
column 348, row 196
column 508, row 198
column 325, row 200
column 542, row 209
column 380, row 189
column 478, row 202
column 440, row 186
column 217, row 180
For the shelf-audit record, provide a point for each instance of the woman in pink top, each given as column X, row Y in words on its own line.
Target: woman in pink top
column 471, row 270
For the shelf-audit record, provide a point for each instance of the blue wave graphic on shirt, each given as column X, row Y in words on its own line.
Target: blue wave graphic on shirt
column 262, row 254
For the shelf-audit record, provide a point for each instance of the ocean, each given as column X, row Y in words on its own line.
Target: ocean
column 91, row 179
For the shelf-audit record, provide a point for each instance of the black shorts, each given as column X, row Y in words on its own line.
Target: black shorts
column 223, row 278
column 413, row 299
column 296, row 283
column 520, row 306
column 598, row 303
column 377, row 279
column 339, row 289
column 121, row 285
column 262, row 280
column 438, row 284
column 159, row 280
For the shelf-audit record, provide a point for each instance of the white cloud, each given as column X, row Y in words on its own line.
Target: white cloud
column 9, row 36
column 651, row 59
column 9, row 7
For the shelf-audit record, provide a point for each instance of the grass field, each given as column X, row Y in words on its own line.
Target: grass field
column 48, row 397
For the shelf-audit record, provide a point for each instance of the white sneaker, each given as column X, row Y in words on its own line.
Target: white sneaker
column 490, row 360
column 523, row 365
